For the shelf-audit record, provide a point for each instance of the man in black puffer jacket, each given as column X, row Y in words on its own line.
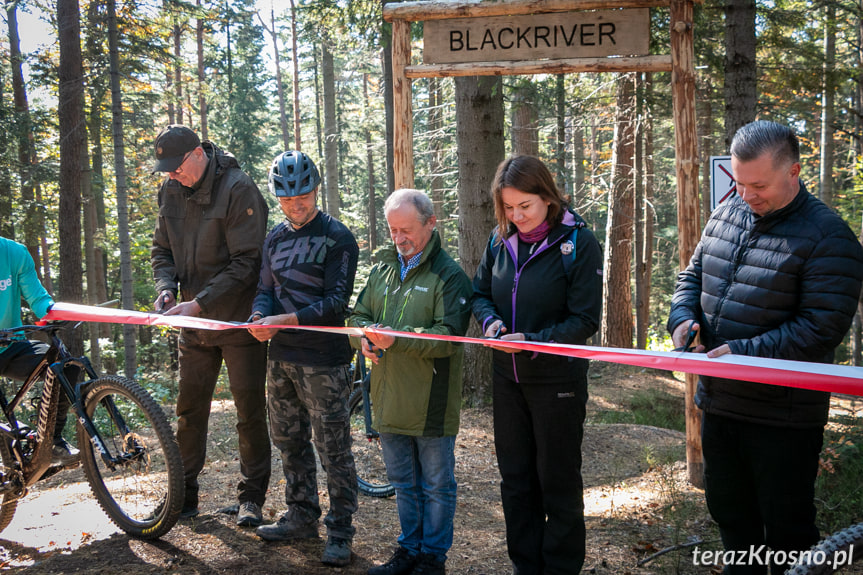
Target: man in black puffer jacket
column 776, row 274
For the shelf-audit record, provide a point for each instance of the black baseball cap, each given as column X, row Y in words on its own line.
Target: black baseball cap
column 172, row 145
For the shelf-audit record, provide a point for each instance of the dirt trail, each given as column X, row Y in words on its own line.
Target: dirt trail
column 636, row 499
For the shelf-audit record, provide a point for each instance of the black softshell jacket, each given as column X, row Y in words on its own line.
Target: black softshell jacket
column 545, row 298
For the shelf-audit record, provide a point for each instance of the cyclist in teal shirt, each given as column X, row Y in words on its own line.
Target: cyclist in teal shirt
column 18, row 280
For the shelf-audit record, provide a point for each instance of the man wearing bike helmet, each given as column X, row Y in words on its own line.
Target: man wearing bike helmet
column 207, row 243
column 18, row 280
column 307, row 278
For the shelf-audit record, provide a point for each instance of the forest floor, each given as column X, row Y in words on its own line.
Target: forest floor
column 637, row 502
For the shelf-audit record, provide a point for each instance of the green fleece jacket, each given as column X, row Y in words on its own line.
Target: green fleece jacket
column 416, row 385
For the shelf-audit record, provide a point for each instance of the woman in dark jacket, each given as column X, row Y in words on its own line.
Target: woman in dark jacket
column 540, row 279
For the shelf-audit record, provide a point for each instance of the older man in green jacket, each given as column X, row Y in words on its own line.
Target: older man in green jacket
column 416, row 383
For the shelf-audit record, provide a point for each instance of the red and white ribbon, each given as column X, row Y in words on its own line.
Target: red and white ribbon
column 815, row 376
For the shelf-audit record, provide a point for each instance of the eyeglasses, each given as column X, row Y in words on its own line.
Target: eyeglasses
column 179, row 169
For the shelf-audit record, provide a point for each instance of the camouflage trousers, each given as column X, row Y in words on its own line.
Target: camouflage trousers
column 306, row 403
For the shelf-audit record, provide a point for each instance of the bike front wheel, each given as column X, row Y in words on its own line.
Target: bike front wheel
column 10, row 498
column 138, row 480
column 368, row 455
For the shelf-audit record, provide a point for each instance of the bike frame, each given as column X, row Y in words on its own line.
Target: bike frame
column 52, row 369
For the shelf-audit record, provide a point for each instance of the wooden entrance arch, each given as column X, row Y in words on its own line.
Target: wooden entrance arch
column 680, row 62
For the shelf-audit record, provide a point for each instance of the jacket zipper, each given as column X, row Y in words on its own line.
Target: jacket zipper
column 515, row 279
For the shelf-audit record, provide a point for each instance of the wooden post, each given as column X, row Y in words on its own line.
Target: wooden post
column 688, row 225
column 403, row 125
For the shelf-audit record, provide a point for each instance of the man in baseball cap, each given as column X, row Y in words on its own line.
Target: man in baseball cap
column 172, row 145
column 206, row 196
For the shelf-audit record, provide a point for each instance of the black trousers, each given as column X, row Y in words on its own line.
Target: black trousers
column 201, row 355
column 20, row 359
column 538, row 430
column 760, row 486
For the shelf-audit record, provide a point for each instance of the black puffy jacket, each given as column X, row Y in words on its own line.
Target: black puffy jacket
column 545, row 298
column 784, row 286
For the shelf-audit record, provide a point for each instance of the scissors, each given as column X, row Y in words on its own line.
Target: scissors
column 497, row 331
column 690, row 338
column 379, row 353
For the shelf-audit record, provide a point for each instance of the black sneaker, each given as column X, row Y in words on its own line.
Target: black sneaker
column 429, row 565
column 63, row 454
column 337, row 552
column 401, row 563
column 249, row 514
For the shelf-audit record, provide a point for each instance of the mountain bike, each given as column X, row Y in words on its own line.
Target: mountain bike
column 366, row 441
column 127, row 448
column 831, row 554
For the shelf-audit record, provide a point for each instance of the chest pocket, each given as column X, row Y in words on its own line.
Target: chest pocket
column 212, row 231
column 173, row 210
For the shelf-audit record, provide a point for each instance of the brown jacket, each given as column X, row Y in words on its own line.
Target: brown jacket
column 208, row 238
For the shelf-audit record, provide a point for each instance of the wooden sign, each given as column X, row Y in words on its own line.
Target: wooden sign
column 582, row 34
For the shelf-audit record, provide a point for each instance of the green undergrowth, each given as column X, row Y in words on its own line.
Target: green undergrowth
column 839, row 489
column 647, row 407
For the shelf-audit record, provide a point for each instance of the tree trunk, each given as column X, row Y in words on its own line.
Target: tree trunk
column 70, row 111
column 617, row 308
column 94, row 193
column 202, row 101
column 331, row 136
column 371, row 204
column 479, row 131
column 295, row 59
column 126, row 278
column 318, row 127
column 642, row 289
column 827, row 97
column 649, row 212
column 7, row 226
column 178, row 69
column 24, row 135
column 560, row 152
column 706, row 130
column 387, row 64
column 578, row 159
column 435, row 127
column 857, row 337
column 280, row 88
column 525, row 120
column 740, row 74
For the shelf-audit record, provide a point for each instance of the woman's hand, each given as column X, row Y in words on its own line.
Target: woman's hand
column 499, row 345
column 495, row 329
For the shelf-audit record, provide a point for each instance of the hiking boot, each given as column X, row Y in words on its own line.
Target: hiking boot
column 62, row 453
column 285, row 529
column 249, row 514
column 428, row 564
column 401, row 563
column 337, row 552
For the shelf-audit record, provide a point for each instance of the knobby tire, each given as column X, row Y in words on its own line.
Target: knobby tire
column 842, row 541
column 10, row 500
column 143, row 494
column 368, row 456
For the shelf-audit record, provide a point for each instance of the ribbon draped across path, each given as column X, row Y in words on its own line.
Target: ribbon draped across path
column 816, row 376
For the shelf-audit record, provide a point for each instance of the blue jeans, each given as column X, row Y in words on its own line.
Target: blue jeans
column 422, row 471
